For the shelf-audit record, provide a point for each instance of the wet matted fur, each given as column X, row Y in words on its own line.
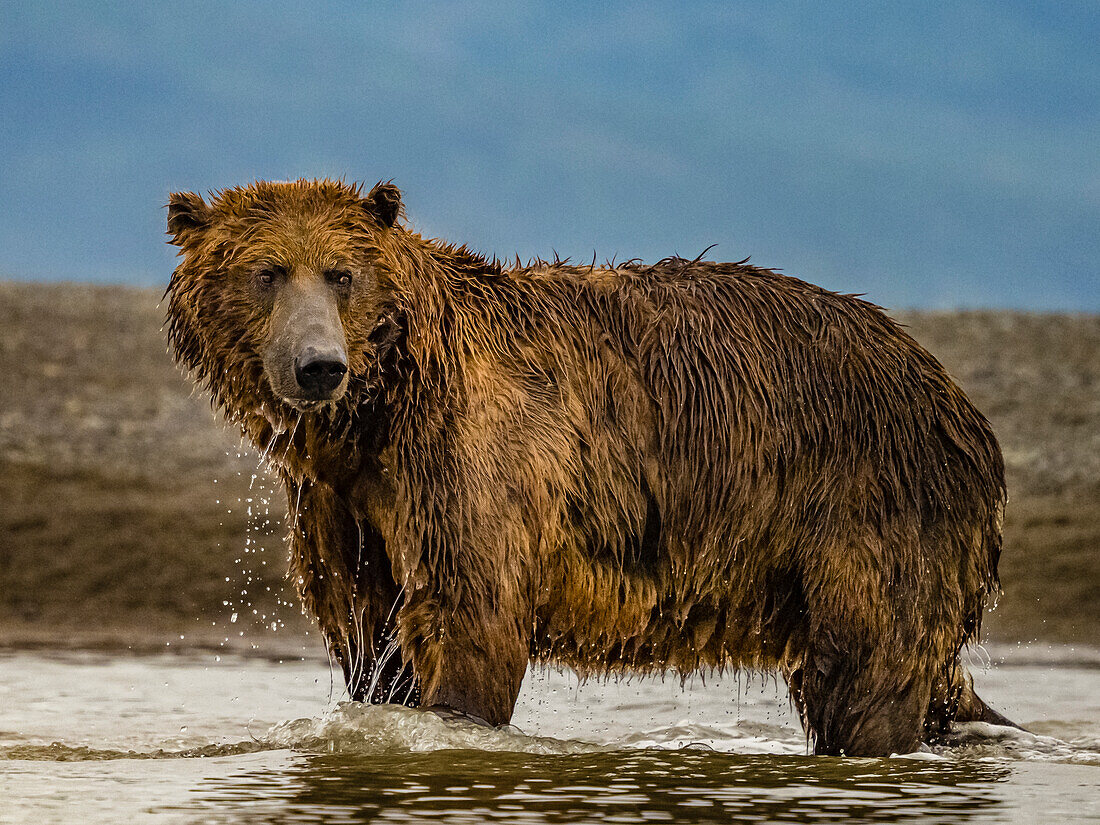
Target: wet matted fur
column 628, row 468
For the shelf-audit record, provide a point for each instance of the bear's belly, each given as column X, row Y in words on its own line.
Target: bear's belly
column 598, row 617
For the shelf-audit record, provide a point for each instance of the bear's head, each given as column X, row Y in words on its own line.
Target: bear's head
column 280, row 290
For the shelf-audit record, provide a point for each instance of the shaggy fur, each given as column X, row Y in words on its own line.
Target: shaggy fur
column 630, row 468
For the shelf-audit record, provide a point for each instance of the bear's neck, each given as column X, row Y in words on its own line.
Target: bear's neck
column 443, row 258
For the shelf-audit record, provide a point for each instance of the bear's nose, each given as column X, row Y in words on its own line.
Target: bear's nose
column 319, row 373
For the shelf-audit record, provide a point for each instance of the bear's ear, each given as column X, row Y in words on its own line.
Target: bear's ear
column 187, row 214
column 383, row 203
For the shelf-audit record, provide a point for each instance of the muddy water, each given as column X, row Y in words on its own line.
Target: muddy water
column 93, row 738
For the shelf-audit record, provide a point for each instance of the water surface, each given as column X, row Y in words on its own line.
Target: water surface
column 192, row 738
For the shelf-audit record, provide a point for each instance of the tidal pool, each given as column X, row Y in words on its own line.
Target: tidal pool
column 195, row 738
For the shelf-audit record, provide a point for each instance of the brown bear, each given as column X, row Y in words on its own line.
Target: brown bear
column 672, row 467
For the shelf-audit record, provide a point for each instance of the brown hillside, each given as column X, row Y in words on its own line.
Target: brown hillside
column 124, row 505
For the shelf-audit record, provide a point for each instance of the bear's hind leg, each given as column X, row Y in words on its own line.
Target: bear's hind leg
column 864, row 704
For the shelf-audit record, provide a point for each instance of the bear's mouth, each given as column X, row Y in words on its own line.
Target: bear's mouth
column 307, row 405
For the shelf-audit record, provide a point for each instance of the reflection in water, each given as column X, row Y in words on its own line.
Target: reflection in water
column 686, row 785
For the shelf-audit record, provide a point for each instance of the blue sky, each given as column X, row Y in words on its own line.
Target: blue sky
column 928, row 155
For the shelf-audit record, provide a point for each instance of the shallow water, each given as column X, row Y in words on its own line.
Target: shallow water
column 95, row 738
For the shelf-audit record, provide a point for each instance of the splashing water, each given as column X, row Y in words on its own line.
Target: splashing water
column 256, row 603
column 355, row 728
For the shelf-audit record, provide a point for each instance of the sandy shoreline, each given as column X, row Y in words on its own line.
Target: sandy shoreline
column 129, row 516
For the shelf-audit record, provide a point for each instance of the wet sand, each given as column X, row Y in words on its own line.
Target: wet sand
column 124, row 512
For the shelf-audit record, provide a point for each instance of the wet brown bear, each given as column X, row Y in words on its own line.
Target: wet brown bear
column 632, row 468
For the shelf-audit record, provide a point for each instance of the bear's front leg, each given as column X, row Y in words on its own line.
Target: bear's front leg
column 463, row 538
column 470, row 659
column 342, row 574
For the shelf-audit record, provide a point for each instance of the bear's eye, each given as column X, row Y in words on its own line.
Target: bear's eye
column 339, row 277
column 269, row 275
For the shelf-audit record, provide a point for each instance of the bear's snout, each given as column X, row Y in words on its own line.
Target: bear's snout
column 305, row 356
column 319, row 372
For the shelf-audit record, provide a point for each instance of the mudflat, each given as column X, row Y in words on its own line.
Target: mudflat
column 130, row 516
